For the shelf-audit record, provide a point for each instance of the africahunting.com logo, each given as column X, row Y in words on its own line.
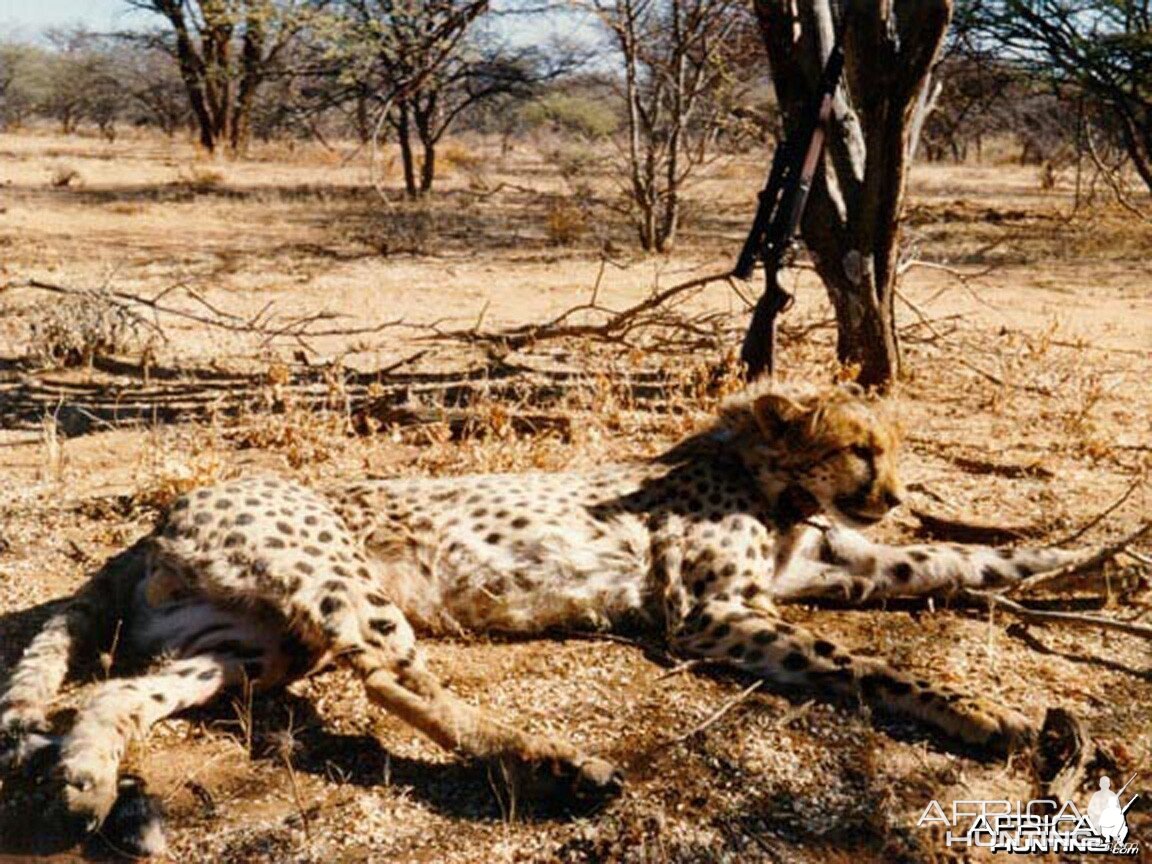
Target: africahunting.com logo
column 1042, row 825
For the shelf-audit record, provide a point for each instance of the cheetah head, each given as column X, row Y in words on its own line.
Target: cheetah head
column 830, row 450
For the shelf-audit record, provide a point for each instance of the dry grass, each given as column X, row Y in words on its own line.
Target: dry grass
column 1038, row 368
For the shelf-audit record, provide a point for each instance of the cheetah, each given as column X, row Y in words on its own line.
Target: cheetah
column 261, row 581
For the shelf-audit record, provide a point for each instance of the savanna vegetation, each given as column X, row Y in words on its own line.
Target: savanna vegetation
column 364, row 238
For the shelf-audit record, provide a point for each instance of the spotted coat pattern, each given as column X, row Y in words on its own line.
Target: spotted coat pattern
column 261, row 580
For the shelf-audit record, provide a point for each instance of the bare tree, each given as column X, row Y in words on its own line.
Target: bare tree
column 975, row 101
column 155, row 87
column 79, row 81
column 1103, row 48
column 421, row 65
column 226, row 49
column 984, row 93
column 851, row 224
column 677, row 80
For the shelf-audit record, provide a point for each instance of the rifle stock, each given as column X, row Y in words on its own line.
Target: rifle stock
column 758, row 350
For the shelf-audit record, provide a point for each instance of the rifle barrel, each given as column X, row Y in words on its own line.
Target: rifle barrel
column 781, row 208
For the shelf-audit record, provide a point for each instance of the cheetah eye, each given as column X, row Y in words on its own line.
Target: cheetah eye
column 860, row 451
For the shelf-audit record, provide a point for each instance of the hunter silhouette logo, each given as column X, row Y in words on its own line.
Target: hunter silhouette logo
column 1040, row 826
column 1105, row 813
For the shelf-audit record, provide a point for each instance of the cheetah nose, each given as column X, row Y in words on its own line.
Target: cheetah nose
column 892, row 499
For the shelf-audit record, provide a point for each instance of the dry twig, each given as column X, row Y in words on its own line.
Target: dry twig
column 967, row 531
column 1094, row 560
column 717, row 715
column 793, row 714
column 684, row 666
column 1103, row 514
column 285, row 748
column 617, row 326
column 991, row 600
column 261, row 324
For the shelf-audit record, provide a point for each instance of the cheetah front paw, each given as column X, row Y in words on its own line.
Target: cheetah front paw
column 593, row 778
column 833, row 582
column 86, row 797
column 50, row 805
column 22, row 735
column 84, row 791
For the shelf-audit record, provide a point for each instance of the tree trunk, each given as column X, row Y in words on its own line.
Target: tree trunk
column 428, row 167
column 425, row 118
column 216, row 45
column 251, row 71
column 404, row 136
column 669, row 222
column 192, row 72
column 1138, row 142
column 851, row 224
column 646, row 223
column 363, row 123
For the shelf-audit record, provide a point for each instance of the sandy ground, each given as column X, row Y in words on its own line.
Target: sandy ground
column 1026, row 403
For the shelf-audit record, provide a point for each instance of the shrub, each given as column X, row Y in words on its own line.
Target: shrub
column 64, row 176
column 572, row 115
column 81, row 328
column 566, row 222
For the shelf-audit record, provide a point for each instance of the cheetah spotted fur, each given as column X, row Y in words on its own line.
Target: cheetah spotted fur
column 262, row 580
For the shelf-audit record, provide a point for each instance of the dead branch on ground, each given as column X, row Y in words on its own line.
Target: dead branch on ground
column 715, row 716
column 1103, row 514
column 1064, row 750
column 958, row 530
column 615, row 328
column 965, row 279
column 964, row 361
column 991, row 600
column 263, row 323
column 1000, row 469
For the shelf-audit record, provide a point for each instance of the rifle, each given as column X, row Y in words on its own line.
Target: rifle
column 778, row 214
column 1121, row 792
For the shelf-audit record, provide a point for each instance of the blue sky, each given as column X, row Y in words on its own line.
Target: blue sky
column 26, row 18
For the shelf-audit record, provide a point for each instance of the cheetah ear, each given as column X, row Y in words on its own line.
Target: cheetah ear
column 775, row 414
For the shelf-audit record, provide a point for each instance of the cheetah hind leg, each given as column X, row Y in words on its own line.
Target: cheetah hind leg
column 372, row 635
column 540, row 770
column 784, row 653
column 75, row 785
column 84, row 626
